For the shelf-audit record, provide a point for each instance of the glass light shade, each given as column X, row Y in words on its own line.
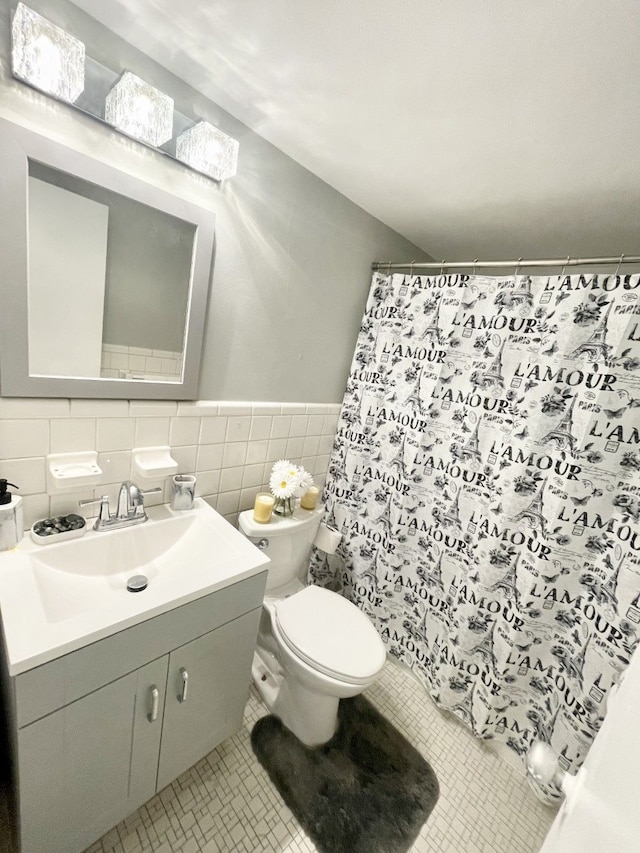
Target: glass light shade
column 208, row 150
column 140, row 110
column 45, row 56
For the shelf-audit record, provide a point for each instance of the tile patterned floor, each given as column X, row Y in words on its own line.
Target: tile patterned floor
column 226, row 803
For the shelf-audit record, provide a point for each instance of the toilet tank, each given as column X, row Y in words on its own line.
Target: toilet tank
column 286, row 541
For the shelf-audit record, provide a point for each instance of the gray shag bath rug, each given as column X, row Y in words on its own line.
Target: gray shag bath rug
column 365, row 791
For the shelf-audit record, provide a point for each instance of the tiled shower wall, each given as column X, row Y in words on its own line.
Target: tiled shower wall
column 229, row 446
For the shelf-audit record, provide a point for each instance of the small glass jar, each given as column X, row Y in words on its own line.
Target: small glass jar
column 263, row 507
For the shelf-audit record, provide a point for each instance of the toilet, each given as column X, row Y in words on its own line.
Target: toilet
column 314, row 647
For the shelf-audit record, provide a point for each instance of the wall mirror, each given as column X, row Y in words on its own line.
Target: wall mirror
column 104, row 277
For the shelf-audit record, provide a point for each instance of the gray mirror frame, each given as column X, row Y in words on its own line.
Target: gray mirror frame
column 17, row 146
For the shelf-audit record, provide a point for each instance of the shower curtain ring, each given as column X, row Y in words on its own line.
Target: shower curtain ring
column 442, row 267
column 475, row 261
column 564, row 266
column 411, row 270
column 517, row 267
column 619, row 263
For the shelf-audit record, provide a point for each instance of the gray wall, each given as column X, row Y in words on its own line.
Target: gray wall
column 293, row 256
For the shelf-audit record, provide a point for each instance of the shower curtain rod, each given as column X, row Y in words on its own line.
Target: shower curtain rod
column 517, row 263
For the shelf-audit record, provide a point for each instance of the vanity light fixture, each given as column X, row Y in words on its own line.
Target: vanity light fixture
column 45, row 56
column 208, row 150
column 140, row 110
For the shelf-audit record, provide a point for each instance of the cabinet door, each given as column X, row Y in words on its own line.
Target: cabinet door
column 88, row 765
column 215, row 671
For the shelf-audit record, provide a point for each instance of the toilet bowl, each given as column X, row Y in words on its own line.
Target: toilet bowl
column 314, row 647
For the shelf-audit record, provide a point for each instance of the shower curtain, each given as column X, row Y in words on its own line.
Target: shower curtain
column 485, row 480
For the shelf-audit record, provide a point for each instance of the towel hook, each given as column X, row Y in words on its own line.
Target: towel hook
column 564, row 266
column 619, row 263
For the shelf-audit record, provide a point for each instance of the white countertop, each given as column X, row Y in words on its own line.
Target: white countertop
column 48, row 611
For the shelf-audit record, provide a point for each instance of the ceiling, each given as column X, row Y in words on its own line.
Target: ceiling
column 475, row 128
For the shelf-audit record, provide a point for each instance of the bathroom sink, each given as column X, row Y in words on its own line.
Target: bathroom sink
column 56, row 598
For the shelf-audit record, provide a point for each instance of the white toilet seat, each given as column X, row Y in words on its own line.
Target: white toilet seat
column 331, row 635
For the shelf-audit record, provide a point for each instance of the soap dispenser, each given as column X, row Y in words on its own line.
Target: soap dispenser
column 11, row 517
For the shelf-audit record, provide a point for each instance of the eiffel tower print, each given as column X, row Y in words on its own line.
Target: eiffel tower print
column 595, row 348
column 485, row 649
column 608, row 595
column 435, row 575
column 432, row 332
column 509, row 584
column 561, row 435
column 492, row 377
column 464, row 709
column 533, row 513
column 451, row 517
column 414, row 400
column 471, row 450
column 522, row 294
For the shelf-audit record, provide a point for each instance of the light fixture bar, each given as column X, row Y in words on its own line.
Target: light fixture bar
column 46, row 56
column 208, row 150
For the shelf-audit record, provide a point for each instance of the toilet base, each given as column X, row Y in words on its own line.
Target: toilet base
column 311, row 716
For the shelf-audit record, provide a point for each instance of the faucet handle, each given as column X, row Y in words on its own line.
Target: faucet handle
column 145, row 492
column 105, row 512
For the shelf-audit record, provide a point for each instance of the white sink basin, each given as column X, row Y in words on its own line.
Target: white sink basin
column 56, row 598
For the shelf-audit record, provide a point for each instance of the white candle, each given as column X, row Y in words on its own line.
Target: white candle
column 310, row 498
column 263, row 507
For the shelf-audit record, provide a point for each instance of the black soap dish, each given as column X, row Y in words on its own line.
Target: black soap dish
column 51, row 530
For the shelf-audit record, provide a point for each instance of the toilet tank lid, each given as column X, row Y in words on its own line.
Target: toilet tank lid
column 278, row 526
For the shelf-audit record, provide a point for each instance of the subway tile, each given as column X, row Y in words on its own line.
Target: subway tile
column 298, row 425
column 18, row 407
column 70, row 435
column 257, row 451
column 153, row 409
column 68, row 503
column 22, row 438
column 99, row 408
column 260, row 427
column 314, row 427
column 183, row 431
column 209, row 457
column 228, row 503
column 116, row 465
column 198, row 409
column 36, row 507
column 234, row 454
column 266, row 408
column 325, row 444
column 280, row 426
column 277, row 449
column 115, row 433
column 231, row 479
column 294, row 408
column 152, row 432
column 231, row 408
column 334, row 408
column 253, row 475
column 294, row 448
column 186, row 458
column 208, row 483
column 248, row 497
column 238, row 428
column 213, row 430
column 329, row 424
column 28, row 474
column 310, row 446
column 316, row 408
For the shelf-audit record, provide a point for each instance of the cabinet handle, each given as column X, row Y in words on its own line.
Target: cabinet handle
column 185, row 684
column 155, row 696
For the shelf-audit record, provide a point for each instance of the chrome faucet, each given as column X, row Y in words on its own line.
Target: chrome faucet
column 130, row 507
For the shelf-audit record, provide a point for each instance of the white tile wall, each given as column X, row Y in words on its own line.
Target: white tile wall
column 229, row 446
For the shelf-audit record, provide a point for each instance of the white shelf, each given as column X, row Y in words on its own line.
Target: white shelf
column 153, row 462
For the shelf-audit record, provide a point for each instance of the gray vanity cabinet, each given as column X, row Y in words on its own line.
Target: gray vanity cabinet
column 99, row 731
column 216, row 666
column 89, row 764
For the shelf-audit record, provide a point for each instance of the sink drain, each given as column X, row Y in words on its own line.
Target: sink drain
column 137, row 583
